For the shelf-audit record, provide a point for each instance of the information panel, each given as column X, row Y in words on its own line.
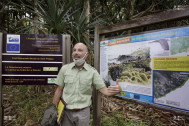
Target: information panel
column 152, row 67
column 31, row 59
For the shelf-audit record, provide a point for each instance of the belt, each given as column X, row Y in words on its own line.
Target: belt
column 76, row 110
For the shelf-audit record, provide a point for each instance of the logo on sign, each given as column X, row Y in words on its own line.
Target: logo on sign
column 51, row 80
column 13, row 47
column 13, row 39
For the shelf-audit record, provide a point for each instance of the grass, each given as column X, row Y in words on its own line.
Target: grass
column 30, row 102
column 117, row 119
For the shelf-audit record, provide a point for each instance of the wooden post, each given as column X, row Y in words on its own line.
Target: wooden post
column 68, row 47
column 66, row 43
column 96, row 94
column 1, row 85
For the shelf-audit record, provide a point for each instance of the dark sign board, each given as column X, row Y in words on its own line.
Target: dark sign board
column 31, row 68
column 29, row 59
column 32, row 44
column 29, row 80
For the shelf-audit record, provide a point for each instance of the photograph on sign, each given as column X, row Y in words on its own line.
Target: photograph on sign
column 131, row 64
column 171, row 88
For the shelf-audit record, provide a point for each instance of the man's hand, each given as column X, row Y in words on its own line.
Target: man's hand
column 50, row 116
column 115, row 89
column 111, row 90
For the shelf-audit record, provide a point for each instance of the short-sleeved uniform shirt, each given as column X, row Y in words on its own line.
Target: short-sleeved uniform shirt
column 77, row 84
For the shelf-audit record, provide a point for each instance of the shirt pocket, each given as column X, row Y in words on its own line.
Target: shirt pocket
column 68, row 81
column 85, row 86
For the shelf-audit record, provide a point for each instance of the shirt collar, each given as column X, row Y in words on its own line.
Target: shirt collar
column 85, row 66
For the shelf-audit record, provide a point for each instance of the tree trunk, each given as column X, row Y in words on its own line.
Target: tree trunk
column 87, row 13
column 35, row 18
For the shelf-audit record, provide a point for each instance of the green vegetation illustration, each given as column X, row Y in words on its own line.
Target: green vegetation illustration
column 133, row 68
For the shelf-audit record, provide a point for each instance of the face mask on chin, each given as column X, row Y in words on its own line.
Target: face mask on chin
column 81, row 61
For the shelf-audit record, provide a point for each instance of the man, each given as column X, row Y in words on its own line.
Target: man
column 75, row 82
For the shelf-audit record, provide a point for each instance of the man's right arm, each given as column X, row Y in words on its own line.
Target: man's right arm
column 57, row 95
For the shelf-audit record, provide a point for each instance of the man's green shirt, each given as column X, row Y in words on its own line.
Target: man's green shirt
column 77, row 84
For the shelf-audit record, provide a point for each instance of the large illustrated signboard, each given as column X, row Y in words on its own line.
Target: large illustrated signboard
column 31, row 59
column 151, row 67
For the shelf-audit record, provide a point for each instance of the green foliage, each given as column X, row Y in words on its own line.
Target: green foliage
column 117, row 119
column 81, row 27
column 56, row 17
column 53, row 15
column 70, row 17
column 29, row 104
